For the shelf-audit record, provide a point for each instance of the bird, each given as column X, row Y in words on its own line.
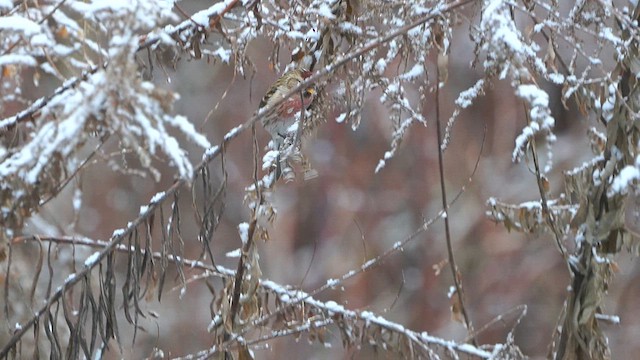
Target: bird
column 279, row 120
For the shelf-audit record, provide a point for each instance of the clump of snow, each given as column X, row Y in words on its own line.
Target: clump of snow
column 625, row 180
column 91, row 260
column 395, row 143
column 157, row 197
column 19, row 24
column 187, row 128
column 234, row 253
column 243, row 230
column 416, row 71
column 117, row 232
column 541, row 120
column 269, row 159
column 17, row 59
column 466, row 97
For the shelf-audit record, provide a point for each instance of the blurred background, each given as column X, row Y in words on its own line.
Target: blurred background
column 333, row 223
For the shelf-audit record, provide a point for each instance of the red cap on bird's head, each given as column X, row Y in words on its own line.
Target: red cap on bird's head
column 306, row 73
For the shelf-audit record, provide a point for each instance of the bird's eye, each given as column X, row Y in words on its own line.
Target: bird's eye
column 308, row 93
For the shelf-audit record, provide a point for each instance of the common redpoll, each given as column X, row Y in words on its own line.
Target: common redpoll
column 280, row 120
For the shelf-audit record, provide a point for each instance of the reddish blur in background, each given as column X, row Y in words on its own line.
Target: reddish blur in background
column 333, row 223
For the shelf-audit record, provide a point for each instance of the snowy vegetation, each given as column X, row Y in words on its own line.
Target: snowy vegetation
column 88, row 87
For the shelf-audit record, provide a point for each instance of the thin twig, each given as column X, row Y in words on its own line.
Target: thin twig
column 294, row 296
column 66, row 181
column 543, row 195
column 452, row 261
column 500, row 318
column 248, row 244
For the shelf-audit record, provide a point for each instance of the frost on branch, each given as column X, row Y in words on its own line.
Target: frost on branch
column 528, row 217
column 509, row 54
column 591, row 210
column 97, row 41
column 541, row 121
column 55, row 38
column 465, row 99
column 111, row 103
column 627, row 179
column 403, row 88
column 506, row 51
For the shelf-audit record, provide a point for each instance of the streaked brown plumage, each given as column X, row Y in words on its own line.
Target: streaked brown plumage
column 278, row 121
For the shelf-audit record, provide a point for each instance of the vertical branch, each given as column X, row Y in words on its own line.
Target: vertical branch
column 549, row 218
column 452, row 262
column 246, row 247
column 36, row 276
column 601, row 229
column 7, row 279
